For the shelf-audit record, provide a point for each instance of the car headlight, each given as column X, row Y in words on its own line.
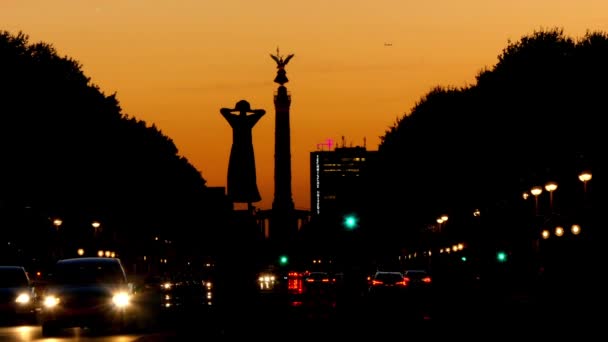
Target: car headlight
column 51, row 301
column 23, row 298
column 121, row 299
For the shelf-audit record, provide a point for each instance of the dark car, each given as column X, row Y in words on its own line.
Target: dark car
column 17, row 295
column 184, row 291
column 386, row 283
column 87, row 293
column 417, row 279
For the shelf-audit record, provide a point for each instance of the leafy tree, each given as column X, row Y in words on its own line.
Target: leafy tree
column 68, row 150
column 532, row 117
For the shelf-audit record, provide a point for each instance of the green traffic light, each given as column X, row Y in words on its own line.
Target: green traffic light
column 283, row 260
column 351, row 221
column 501, row 256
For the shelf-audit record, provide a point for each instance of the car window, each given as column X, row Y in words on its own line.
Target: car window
column 86, row 273
column 13, row 278
column 416, row 274
column 389, row 277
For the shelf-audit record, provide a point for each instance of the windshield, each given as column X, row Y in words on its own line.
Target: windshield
column 89, row 274
column 13, row 278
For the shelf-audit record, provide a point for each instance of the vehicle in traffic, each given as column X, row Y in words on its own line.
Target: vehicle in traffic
column 186, row 291
column 268, row 279
column 417, row 279
column 90, row 292
column 386, row 282
column 17, row 294
column 319, row 278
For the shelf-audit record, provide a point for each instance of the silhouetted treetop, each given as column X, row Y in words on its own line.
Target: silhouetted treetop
column 532, row 117
column 67, row 149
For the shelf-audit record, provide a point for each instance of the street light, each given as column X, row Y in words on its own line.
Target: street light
column 96, row 225
column 57, row 223
column 551, row 186
column 575, row 229
column 535, row 191
column 585, row 177
column 441, row 220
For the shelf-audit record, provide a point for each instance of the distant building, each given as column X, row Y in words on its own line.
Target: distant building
column 335, row 178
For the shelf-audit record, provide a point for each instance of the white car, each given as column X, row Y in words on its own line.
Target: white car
column 87, row 293
column 17, row 295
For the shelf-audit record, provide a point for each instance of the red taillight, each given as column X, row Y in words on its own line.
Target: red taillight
column 426, row 279
column 377, row 282
column 401, row 283
column 294, row 283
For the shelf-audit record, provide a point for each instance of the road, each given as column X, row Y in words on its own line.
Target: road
column 450, row 313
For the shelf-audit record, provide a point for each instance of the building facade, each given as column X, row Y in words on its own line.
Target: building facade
column 336, row 179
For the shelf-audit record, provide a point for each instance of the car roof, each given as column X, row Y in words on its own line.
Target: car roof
column 95, row 260
column 12, row 268
column 388, row 272
column 416, row 271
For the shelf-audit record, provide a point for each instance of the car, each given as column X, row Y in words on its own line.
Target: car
column 417, row 279
column 386, row 282
column 268, row 280
column 89, row 292
column 317, row 277
column 17, row 294
column 186, row 291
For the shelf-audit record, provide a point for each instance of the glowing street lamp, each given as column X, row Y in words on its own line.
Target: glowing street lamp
column 535, row 191
column 585, row 177
column 441, row 220
column 550, row 187
column 96, row 227
column 57, row 223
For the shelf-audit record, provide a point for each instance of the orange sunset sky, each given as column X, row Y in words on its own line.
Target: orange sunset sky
column 175, row 63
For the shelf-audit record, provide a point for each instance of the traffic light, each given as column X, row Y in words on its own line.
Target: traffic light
column 283, row 260
column 350, row 221
column 501, row 256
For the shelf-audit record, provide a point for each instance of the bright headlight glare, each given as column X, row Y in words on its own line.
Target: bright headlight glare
column 51, row 301
column 23, row 298
column 121, row 299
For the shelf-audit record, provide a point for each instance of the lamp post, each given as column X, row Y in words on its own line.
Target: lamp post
column 550, row 187
column 96, row 227
column 57, row 223
column 441, row 220
column 585, row 177
column 536, row 191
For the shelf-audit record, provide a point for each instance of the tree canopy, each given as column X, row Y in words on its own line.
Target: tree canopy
column 69, row 151
column 531, row 118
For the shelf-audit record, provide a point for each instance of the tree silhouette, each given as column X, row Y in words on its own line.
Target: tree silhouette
column 68, row 150
column 532, row 116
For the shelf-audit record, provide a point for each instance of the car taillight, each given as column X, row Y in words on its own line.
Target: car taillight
column 294, row 284
column 426, row 279
column 377, row 282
